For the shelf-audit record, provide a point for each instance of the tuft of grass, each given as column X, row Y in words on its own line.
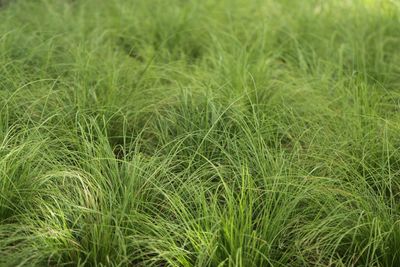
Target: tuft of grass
column 199, row 133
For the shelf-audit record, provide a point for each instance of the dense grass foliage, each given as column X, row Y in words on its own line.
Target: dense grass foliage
column 199, row 133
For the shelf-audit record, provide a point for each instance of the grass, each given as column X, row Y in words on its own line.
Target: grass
column 199, row 133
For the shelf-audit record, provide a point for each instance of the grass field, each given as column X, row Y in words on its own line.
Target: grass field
column 199, row 133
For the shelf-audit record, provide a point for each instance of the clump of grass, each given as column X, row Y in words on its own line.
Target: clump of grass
column 199, row 133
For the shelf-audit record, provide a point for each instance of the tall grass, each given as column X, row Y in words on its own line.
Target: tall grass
column 199, row 133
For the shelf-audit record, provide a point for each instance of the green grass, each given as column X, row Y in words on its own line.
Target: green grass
column 199, row 133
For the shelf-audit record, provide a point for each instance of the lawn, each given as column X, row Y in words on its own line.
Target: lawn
column 199, row 133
